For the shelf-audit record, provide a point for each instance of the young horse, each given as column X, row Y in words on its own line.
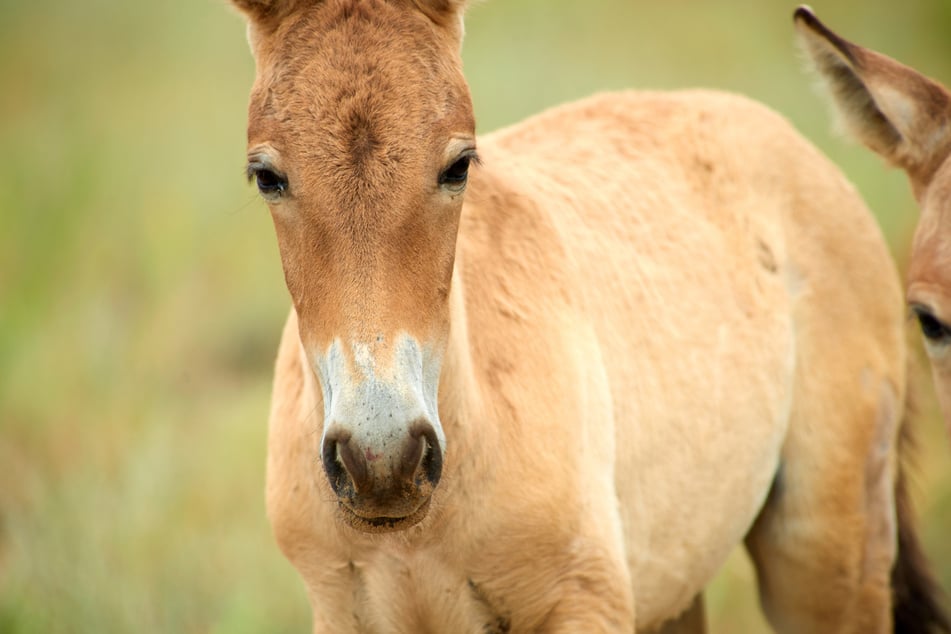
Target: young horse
column 550, row 388
column 906, row 118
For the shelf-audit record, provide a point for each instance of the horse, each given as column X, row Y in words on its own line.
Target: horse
column 903, row 116
column 545, row 380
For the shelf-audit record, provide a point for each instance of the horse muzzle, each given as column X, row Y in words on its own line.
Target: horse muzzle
column 387, row 485
column 382, row 446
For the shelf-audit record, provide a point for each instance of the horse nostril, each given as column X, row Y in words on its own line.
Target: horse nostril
column 432, row 463
column 345, row 467
column 412, row 452
column 427, row 454
column 348, row 467
column 332, row 467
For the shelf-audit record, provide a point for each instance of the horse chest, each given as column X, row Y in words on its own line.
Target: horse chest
column 415, row 593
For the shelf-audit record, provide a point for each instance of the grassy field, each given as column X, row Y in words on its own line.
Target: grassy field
column 141, row 296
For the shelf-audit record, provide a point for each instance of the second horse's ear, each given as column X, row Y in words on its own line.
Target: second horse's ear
column 893, row 109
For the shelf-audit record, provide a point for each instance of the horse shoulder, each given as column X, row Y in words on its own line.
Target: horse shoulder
column 294, row 501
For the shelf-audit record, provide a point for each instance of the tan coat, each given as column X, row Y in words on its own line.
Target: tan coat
column 555, row 398
column 906, row 117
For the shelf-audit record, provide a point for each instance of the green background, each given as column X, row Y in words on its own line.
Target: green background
column 141, row 296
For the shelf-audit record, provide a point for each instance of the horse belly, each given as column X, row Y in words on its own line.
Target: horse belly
column 702, row 390
column 690, row 493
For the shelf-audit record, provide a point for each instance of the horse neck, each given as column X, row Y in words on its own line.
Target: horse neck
column 459, row 396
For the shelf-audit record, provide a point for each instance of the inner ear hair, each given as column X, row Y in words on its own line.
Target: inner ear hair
column 861, row 113
column 891, row 108
column 838, row 64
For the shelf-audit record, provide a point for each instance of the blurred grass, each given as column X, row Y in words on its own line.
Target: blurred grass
column 141, row 296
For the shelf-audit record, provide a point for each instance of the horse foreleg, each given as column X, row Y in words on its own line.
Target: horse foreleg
column 693, row 621
column 824, row 543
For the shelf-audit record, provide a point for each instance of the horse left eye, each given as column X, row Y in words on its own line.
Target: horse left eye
column 457, row 173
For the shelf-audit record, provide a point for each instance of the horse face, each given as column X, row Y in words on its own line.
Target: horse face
column 903, row 116
column 929, row 279
column 360, row 138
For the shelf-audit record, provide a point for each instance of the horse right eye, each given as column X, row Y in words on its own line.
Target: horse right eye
column 934, row 330
column 270, row 183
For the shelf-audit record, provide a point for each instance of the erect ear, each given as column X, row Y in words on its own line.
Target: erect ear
column 446, row 13
column 266, row 15
column 891, row 108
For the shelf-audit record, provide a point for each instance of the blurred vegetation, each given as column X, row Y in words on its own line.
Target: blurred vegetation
column 141, row 297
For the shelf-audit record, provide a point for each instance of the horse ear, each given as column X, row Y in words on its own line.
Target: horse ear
column 447, row 13
column 267, row 14
column 892, row 109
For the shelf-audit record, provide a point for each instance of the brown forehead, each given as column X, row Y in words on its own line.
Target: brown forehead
column 931, row 253
column 352, row 84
